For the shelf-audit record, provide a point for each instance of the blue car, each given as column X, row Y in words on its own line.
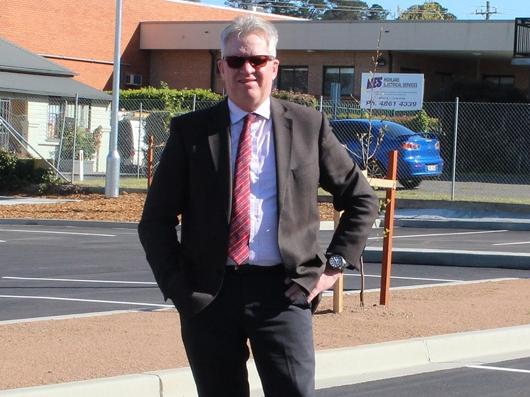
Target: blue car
column 418, row 156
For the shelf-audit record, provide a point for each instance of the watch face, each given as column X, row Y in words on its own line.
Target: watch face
column 336, row 262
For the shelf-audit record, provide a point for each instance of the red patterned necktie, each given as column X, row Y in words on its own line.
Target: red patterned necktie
column 239, row 236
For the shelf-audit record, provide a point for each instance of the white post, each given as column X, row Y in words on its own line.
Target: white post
column 455, row 142
column 112, row 177
column 81, row 166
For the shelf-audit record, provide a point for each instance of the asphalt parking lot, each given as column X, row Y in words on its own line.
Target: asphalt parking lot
column 64, row 270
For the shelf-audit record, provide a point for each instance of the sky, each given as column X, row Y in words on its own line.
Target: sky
column 463, row 9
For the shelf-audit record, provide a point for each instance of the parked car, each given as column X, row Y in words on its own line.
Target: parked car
column 418, row 155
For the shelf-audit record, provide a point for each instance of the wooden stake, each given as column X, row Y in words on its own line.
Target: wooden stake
column 338, row 288
column 386, row 265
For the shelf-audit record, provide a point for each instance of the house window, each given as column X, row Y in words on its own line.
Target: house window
column 61, row 111
column 293, row 78
column 339, row 74
column 500, row 80
column 5, row 105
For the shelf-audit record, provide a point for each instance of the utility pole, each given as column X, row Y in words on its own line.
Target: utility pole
column 488, row 11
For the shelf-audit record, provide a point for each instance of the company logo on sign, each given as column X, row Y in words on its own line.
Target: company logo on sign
column 374, row 82
column 392, row 91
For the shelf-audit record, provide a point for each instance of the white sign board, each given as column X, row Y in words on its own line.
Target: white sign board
column 392, row 91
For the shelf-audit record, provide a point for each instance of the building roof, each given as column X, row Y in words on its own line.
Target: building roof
column 19, row 60
column 34, row 84
column 494, row 38
column 23, row 72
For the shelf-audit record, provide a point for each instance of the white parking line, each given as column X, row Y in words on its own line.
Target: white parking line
column 521, row 371
column 79, row 280
column 514, row 243
column 56, row 298
column 405, row 278
column 54, row 232
column 441, row 234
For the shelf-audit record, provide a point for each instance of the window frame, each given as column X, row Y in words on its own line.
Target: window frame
column 294, row 67
column 326, row 67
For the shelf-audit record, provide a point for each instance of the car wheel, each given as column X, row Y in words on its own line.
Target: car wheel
column 410, row 183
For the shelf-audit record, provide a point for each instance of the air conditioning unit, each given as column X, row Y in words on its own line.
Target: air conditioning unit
column 133, row 79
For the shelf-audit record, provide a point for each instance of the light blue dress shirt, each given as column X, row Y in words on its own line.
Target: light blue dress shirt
column 264, row 249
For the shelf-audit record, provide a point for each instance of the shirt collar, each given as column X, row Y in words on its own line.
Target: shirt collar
column 237, row 114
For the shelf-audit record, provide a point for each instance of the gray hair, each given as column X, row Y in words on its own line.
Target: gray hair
column 248, row 24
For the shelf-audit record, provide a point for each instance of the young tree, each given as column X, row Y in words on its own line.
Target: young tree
column 429, row 11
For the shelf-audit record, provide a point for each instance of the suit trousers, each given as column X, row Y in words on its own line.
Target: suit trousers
column 252, row 307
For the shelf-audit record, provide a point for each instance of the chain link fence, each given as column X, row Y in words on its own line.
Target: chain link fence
column 484, row 146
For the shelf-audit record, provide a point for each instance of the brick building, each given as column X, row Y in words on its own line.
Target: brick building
column 313, row 54
column 80, row 34
column 178, row 42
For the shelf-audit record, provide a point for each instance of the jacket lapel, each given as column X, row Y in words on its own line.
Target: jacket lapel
column 283, row 134
column 219, row 142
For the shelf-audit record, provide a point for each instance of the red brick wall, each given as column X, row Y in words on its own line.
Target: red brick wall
column 181, row 69
column 85, row 29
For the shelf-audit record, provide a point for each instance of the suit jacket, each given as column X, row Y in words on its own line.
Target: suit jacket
column 193, row 180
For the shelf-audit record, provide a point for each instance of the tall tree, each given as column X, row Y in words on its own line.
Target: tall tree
column 316, row 9
column 351, row 10
column 377, row 12
column 428, row 11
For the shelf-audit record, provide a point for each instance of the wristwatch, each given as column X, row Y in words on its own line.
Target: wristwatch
column 337, row 262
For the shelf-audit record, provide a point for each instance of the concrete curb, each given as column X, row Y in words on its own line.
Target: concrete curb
column 490, row 224
column 334, row 367
column 438, row 257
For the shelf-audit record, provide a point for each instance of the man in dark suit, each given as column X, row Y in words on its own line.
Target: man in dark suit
column 243, row 178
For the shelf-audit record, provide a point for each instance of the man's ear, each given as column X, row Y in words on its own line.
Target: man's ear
column 275, row 68
column 220, row 68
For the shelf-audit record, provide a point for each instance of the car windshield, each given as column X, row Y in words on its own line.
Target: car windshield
column 394, row 130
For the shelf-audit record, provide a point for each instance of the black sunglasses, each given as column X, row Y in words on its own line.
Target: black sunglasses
column 256, row 61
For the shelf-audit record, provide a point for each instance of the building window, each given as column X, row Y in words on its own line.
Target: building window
column 293, row 78
column 61, row 112
column 5, row 108
column 500, row 80
column 339, row 74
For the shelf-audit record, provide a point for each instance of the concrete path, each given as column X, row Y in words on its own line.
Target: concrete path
column 334, row 367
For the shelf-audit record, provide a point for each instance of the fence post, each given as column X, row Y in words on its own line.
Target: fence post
column 194, row 101
column 139, row 151
column 455, row 142
column 75, row 137
column 321, row 103
column 150, row 148
column 81, row 165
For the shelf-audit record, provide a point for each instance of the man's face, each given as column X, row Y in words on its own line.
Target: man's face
column 248, row 86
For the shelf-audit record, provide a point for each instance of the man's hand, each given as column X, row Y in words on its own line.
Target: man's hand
column 326, row 281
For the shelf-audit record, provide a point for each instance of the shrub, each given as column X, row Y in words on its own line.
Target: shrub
column 165, row 98
column 296, row 97
column 24, row 175
column 84, row 140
